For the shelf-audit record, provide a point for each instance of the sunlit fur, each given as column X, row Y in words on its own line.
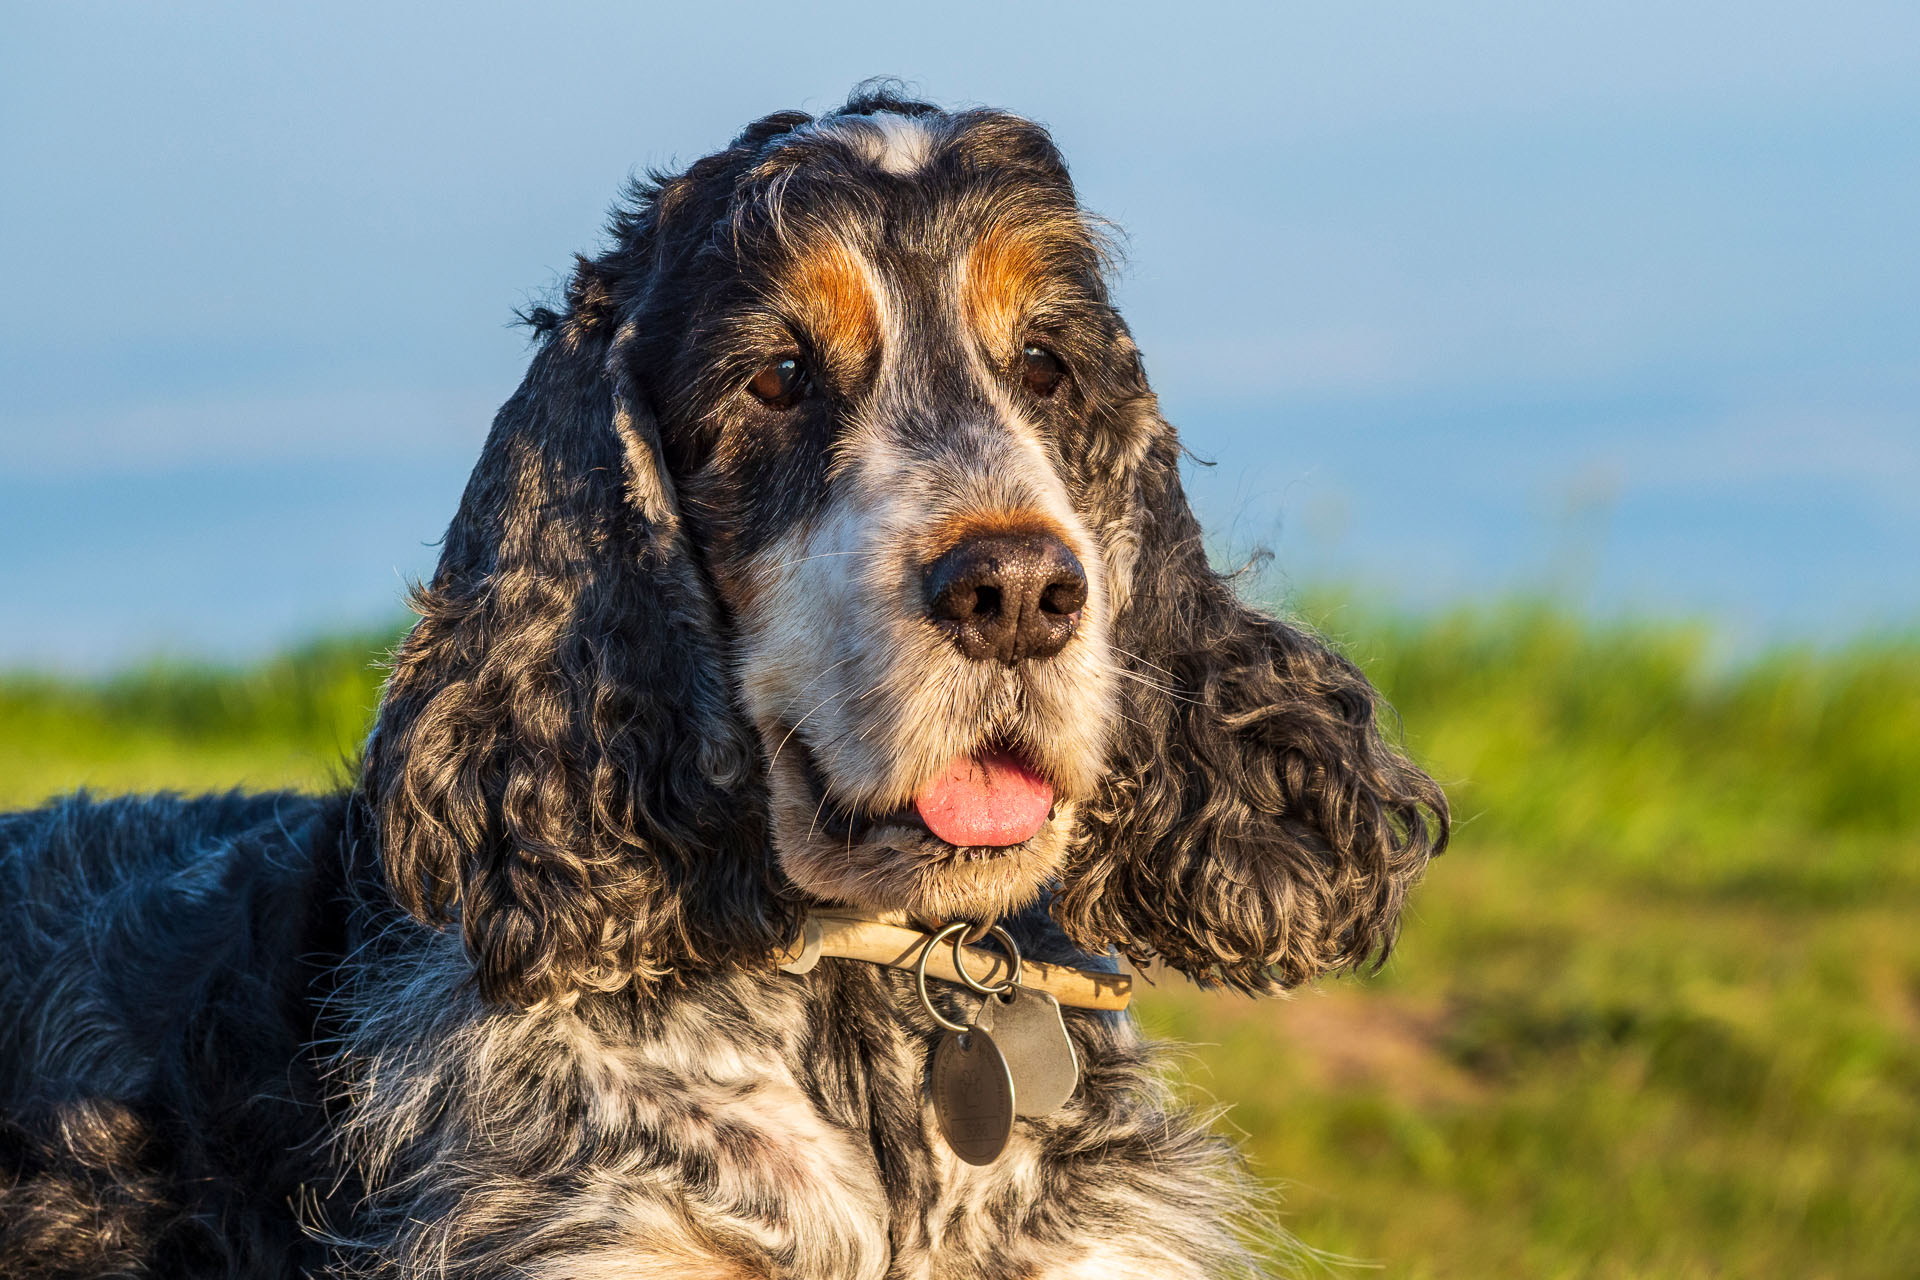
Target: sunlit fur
column 504, row 1007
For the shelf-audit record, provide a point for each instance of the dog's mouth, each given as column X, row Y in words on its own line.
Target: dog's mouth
column 981, row 806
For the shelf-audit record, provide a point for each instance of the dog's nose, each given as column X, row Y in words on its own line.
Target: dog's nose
column 1007, row 596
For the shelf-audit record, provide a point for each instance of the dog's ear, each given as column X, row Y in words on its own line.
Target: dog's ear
column 557, row 763
column 1255, row 829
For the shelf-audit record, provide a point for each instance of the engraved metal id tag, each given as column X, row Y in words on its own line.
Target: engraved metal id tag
column 1032, row 1037
column 972, row 1095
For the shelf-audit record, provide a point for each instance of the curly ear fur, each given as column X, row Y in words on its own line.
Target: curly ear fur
column 556, row 761
column 1256, row 829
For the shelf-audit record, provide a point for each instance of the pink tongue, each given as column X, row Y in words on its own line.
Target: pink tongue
column 988, row 799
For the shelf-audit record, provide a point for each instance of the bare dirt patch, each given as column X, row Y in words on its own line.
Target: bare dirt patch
column 1345, row 1040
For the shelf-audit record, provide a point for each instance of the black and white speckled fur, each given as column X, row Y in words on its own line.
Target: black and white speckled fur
column 234, row 1060
column 755, row 1124
column 246, row 1043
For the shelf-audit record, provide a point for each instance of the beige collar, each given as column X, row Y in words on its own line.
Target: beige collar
column 849, row 935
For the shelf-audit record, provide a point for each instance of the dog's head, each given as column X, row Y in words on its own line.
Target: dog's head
column 834, row 549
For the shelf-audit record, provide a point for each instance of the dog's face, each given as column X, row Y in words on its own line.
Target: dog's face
column 892, row 369
column 835, row 516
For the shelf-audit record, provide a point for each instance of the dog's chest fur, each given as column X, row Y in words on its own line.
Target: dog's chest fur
column 754, row 1125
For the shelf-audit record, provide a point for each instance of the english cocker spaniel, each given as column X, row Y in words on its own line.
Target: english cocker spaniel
column 825, row 592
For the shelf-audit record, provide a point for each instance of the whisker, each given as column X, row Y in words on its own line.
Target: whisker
column 1142, row 661
column 774, row 759
column 1157, row 687
column 813, row 825
column 823, row 702
column 819, row 555
column 878, row 685
column 1120, row 672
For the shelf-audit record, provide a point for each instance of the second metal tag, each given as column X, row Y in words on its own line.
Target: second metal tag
column 1032, row 1037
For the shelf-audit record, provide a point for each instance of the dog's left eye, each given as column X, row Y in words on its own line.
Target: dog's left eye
column 782, row 384
column 1040, row 370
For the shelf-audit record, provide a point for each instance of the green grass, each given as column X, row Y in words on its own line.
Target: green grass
column 1656, row 1014
column 297, row 720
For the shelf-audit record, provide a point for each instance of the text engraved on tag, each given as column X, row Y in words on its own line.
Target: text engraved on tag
column 973, row 1095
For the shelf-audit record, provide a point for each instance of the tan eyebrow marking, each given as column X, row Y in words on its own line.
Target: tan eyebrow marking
column 831, row 293
column 1002, row 273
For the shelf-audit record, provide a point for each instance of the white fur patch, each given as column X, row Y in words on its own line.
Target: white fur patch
column 896, row 144
column 1125, row 1258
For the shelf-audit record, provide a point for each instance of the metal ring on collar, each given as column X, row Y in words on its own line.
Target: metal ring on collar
column 920, row 975
column 811, row 938
column 1013, row 957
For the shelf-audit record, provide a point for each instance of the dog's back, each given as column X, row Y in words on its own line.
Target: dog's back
column 156, row 1103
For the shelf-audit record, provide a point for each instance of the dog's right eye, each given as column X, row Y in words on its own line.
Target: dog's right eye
column 1040, row 370
column 782, row 384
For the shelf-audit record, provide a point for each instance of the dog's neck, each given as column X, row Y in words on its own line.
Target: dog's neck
column 894, row 940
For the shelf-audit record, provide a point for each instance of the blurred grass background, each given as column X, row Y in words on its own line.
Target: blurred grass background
column 1656, row 1014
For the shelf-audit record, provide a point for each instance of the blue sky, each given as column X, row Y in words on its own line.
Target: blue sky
column 1615, row 299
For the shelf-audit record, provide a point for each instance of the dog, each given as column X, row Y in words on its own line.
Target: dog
column 831, row 557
